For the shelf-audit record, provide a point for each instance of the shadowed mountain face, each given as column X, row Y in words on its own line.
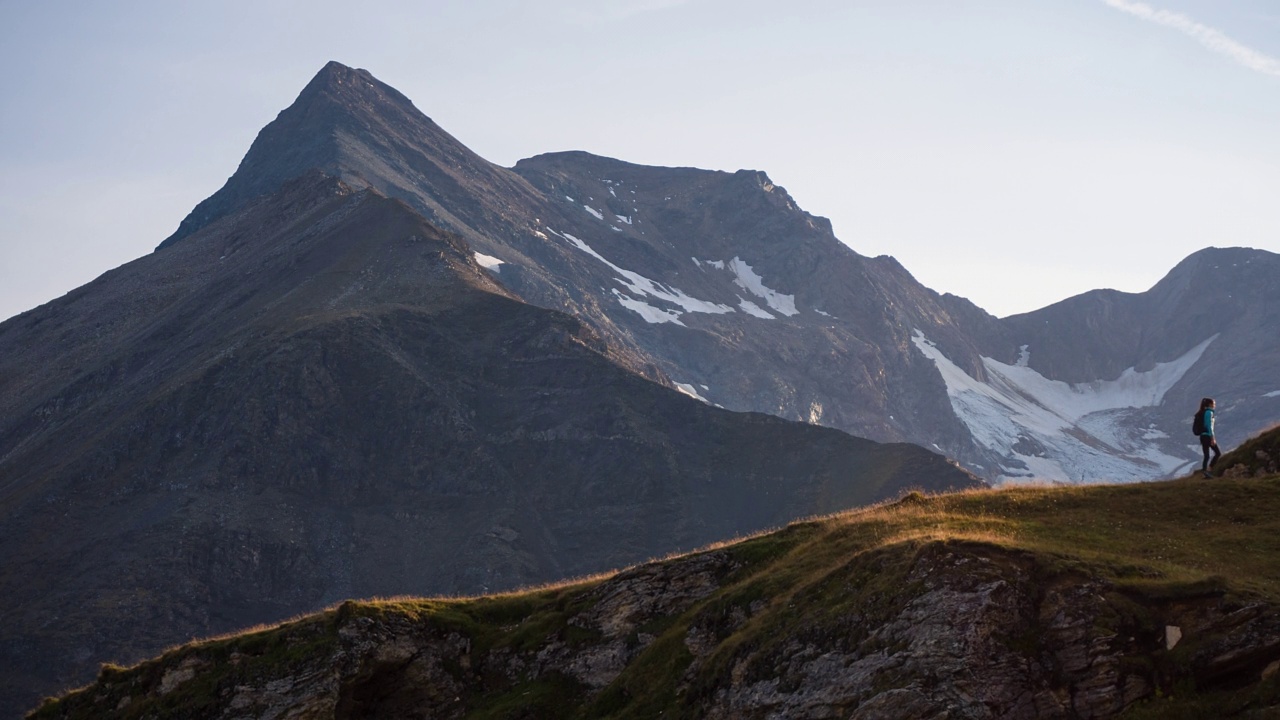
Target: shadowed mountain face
column 322, row 396
column 720, row 284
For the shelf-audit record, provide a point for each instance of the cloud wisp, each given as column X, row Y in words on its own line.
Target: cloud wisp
column 1212, row 39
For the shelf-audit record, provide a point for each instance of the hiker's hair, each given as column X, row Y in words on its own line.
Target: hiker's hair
column 1206, row 403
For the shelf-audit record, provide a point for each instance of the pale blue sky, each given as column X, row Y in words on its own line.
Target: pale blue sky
column 1014, row 152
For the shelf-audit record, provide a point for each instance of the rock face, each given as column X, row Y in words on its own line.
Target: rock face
column 969, row 631
column 323, row 396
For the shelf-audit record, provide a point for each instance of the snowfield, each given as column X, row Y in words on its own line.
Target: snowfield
column 1051, row 430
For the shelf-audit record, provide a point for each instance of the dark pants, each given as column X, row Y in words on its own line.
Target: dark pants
column 1207, row 443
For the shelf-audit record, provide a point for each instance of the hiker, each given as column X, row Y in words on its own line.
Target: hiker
column 1207, row 440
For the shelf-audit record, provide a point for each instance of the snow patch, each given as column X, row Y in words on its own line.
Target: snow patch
column 623, row 218
column 1024, row 356
column 717, row 264
column 1273, row 393
column 823, row 314
column 566, row 197
column 596, row 213
column 1053, row 430
column 691, row 391
column 1037, row 467
column 650, row 313
column 748, row 280
column 640, row 285
column 489, row 262
column 753, row 309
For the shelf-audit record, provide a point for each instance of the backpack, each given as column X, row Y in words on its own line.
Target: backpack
column 1197, row 423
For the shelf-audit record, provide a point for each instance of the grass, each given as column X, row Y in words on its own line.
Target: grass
column 1259, row 455
column 257, row 653
column 1168, row 540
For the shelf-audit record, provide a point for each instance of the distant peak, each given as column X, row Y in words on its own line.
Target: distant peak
column 1211, row 258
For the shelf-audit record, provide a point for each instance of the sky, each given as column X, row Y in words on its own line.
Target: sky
column 1013, row 152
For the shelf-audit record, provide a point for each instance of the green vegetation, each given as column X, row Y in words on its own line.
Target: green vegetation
column 1257, row 456
column 210, row 666
column 1167, row 541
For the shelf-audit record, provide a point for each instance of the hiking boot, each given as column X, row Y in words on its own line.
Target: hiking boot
column 1206, row 474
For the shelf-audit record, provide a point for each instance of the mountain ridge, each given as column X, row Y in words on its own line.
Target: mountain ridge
column 680, row 265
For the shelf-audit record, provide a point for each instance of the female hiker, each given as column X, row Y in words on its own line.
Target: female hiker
column 1207, row 441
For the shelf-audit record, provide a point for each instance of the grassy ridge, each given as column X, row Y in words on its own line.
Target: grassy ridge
column 1168, row 539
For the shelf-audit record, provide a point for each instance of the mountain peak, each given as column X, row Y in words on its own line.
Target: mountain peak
column 345, row 123
column 342, row 84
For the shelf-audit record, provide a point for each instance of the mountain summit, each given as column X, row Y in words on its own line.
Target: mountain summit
column 351, row 126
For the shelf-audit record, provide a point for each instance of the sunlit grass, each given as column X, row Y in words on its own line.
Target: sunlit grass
column 1178, row 530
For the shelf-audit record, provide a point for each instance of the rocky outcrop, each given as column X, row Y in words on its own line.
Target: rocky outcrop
column 957, row 630
column 1257, row 457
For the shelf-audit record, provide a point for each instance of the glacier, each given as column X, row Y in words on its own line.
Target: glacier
column 1049, row 430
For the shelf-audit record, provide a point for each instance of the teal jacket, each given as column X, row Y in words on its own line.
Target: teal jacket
column 1208, row 423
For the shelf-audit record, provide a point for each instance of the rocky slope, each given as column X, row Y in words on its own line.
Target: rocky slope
column 323, row 396
column 727, row 288
column 1048, row 603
